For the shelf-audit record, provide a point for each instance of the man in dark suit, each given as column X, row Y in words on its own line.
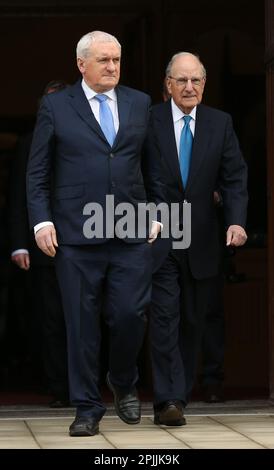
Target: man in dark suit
column 199, row 152
column 84, row 150
column 45, row 292
column 213, row 341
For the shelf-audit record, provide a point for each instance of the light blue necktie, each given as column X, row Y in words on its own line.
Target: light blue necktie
column 186, row 140
column 106, row 119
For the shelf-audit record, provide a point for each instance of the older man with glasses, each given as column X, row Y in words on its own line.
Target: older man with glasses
column 199, row 152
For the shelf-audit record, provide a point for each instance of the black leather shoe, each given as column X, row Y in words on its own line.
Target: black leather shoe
column 82, row 426
column 213, row 393
column 127, row 405
column 170, row 414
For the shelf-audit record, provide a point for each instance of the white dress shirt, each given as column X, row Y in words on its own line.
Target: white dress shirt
column 178, row 122
column 95, row 105
column 20, row 251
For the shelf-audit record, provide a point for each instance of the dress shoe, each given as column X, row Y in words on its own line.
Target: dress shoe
column 59, row 403
column 213, row 393
column 83, row 426
column 170, row 414
column 127, row 405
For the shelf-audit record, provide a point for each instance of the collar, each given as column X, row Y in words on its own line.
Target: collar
column 178, row 114
column 90, row 93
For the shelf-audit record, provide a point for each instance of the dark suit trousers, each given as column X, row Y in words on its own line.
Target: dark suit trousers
column 116, row 275
column 48, row 306
column 213, row 342
column 179, row 305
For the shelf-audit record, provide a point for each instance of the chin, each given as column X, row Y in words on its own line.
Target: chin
column 111, row 82
column 189, row 103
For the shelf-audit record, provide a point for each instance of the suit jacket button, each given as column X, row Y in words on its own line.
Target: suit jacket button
column 111, row 155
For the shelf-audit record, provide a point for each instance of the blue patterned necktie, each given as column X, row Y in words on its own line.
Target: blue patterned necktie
column 106, row 119
column 186, row 140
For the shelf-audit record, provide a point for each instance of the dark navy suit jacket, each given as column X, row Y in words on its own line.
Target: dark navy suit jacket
column 72, row 164
column 20, row 234
column 216, row 162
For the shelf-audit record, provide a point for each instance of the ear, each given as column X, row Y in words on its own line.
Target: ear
column 81, row 64
column 168, row 85
column 203, row 85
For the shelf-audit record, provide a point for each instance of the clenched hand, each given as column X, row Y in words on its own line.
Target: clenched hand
column 46, row 240
column 236, row 235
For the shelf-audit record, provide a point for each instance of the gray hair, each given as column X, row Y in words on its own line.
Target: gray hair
column 83, row 46
column 180, row 54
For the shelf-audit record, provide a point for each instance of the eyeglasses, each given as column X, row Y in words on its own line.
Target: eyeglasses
column 182, row 82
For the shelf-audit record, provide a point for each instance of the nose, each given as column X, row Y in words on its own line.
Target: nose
column 189, row 85
column 111, row 65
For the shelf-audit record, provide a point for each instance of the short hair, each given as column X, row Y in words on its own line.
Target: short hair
column 83, row 46
column 54, row 85
column 180, row 54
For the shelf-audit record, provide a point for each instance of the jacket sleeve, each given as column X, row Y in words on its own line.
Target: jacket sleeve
column 152, row 168
column 18, row 215
column 39, row 166
column 233, row 179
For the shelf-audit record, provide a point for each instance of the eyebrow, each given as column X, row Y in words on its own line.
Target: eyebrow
column 105, row 56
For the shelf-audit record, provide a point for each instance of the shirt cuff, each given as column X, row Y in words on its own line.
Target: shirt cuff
column 160, row 223
column 41, row 225
column 19, row 252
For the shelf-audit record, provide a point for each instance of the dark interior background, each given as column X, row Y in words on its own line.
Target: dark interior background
column 37, row 44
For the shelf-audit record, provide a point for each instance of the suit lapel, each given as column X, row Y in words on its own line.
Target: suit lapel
column 81, row 105
column 168, row 141
column 203, row 132
column 124, row 106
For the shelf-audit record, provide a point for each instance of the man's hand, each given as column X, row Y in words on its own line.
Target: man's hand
column 22, row 260
column 235, row 236
column 155, row 229
column 46, row 240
